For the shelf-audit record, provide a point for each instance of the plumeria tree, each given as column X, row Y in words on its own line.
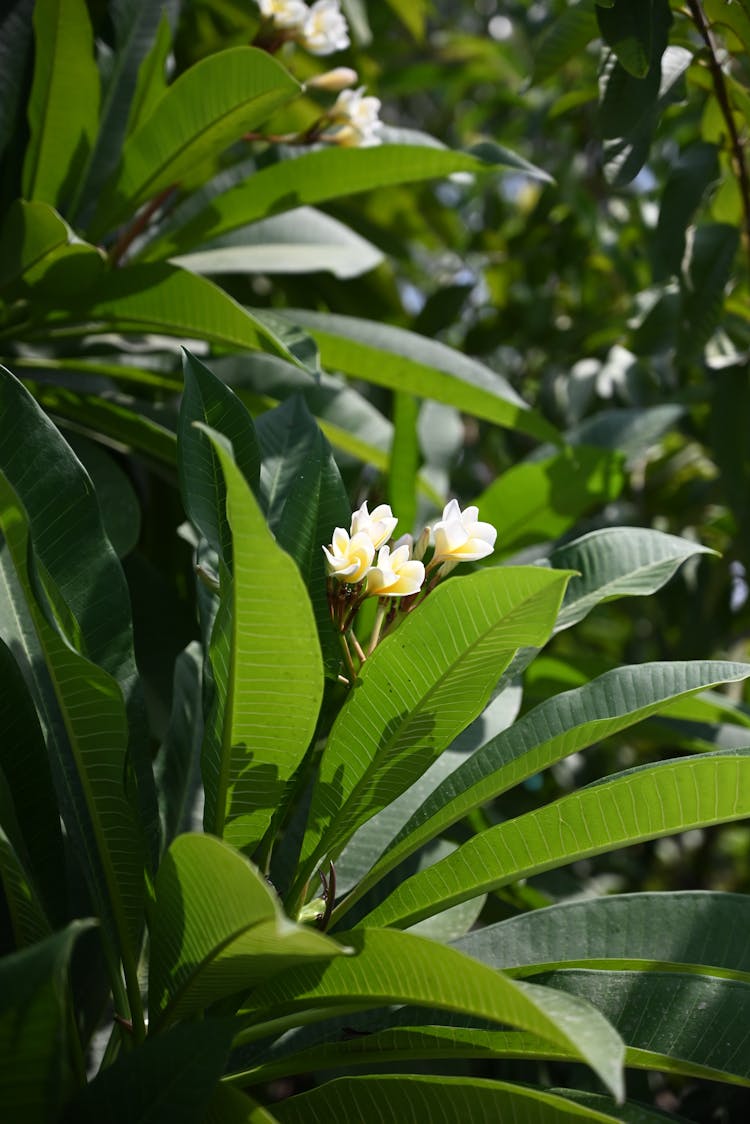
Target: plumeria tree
column 357, row 759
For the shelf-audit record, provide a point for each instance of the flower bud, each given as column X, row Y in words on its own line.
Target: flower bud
column 333, row 80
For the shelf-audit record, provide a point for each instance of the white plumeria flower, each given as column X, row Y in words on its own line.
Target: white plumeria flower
column 460, row 537
column 286, row 14
column 324, row 30
column 358, row 118
column 378, row 525
column 349, row 559
column 395, row 575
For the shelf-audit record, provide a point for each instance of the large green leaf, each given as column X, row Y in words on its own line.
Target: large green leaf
column 208, row 108
column 395, row 967
column 25, row 769
column 136, row 23
column 703, row 930
column 163, row 298
column 91, row 767
column 558, row 727
column 626, row 28
column 64, row 102
column 302, row 241
column 218, row 929
column 30, row 234
column 415, row 1100
column 266, row 656
column 79, row 563
column 640, row 804
column 405, row 361
column 419, row 689
column 699, row 1021
column 315, row 177
column 540, row 499
column 618, row 562
column 306, row 500
column 169, row 1079
column 207, row 399
column 37, row 1062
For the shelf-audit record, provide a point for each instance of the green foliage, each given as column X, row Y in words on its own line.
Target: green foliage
column 270, row 814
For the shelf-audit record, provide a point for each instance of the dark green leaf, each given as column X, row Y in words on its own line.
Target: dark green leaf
column 626, row 28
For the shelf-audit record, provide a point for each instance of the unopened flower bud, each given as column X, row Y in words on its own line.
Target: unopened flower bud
column 333, row 80
column 420, row 546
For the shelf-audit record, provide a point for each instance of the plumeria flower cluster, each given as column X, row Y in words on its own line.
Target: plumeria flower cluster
column 321, row 29
column 364, row 562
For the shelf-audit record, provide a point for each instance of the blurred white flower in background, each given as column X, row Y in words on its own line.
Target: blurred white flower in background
column 324, row 30
column 356, row 118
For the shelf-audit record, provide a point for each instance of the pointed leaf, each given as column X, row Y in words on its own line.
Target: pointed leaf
column 451, row 1100
column 218, row 929
column 30, row 234
column 64, row 102
column 315, row 177
column 700, row 929
column 151, row 84
column 206, row 109
column 267, row 625
column 558, row 727
column 207, row 399
column 393, row 967
column 640, row 804
column 419, row 689
column 405, row 361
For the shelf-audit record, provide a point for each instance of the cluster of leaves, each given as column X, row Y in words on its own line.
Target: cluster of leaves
column 245, row 872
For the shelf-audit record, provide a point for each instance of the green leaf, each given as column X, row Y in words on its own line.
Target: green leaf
column 25, row 922
column 267, row 722
column 628, row 808
column 230, row 1106
column 151, row 84
column 618, row 562
column 218, row 929
column 135, row 23
column 301, row 241
column 177, row 766
column 563, row 39
column 705, row 931
column 163, row 298
column 688, row 182
column 118, row 502
column 701, row 1022
column 401, row 360
column 15, row 41
column 206, row 109
column 25, row 769
column 452, row 1100
column 541, row 499
column 30, row 234
column 706, row 274
column 78, row 562
column 64, row 101
column 36, row 1066
column 207, row 399
column 306, row 500
column 393, row 967
column 315, row 177
column 626, row 28
column 558, row 727
column 404, row 467
column 169, row 1079
column 422, row 685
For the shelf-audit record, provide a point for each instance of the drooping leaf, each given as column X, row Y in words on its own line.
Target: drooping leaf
column 315, row 177
column 627, row 29
column 419, row 689
column 557, row 727
column 263, row 722
column 644, row 803
column 703, row 930
column 451, row 1100
column 64, row 102
column 218, row 929
column 207, row 108
column 404, row 361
